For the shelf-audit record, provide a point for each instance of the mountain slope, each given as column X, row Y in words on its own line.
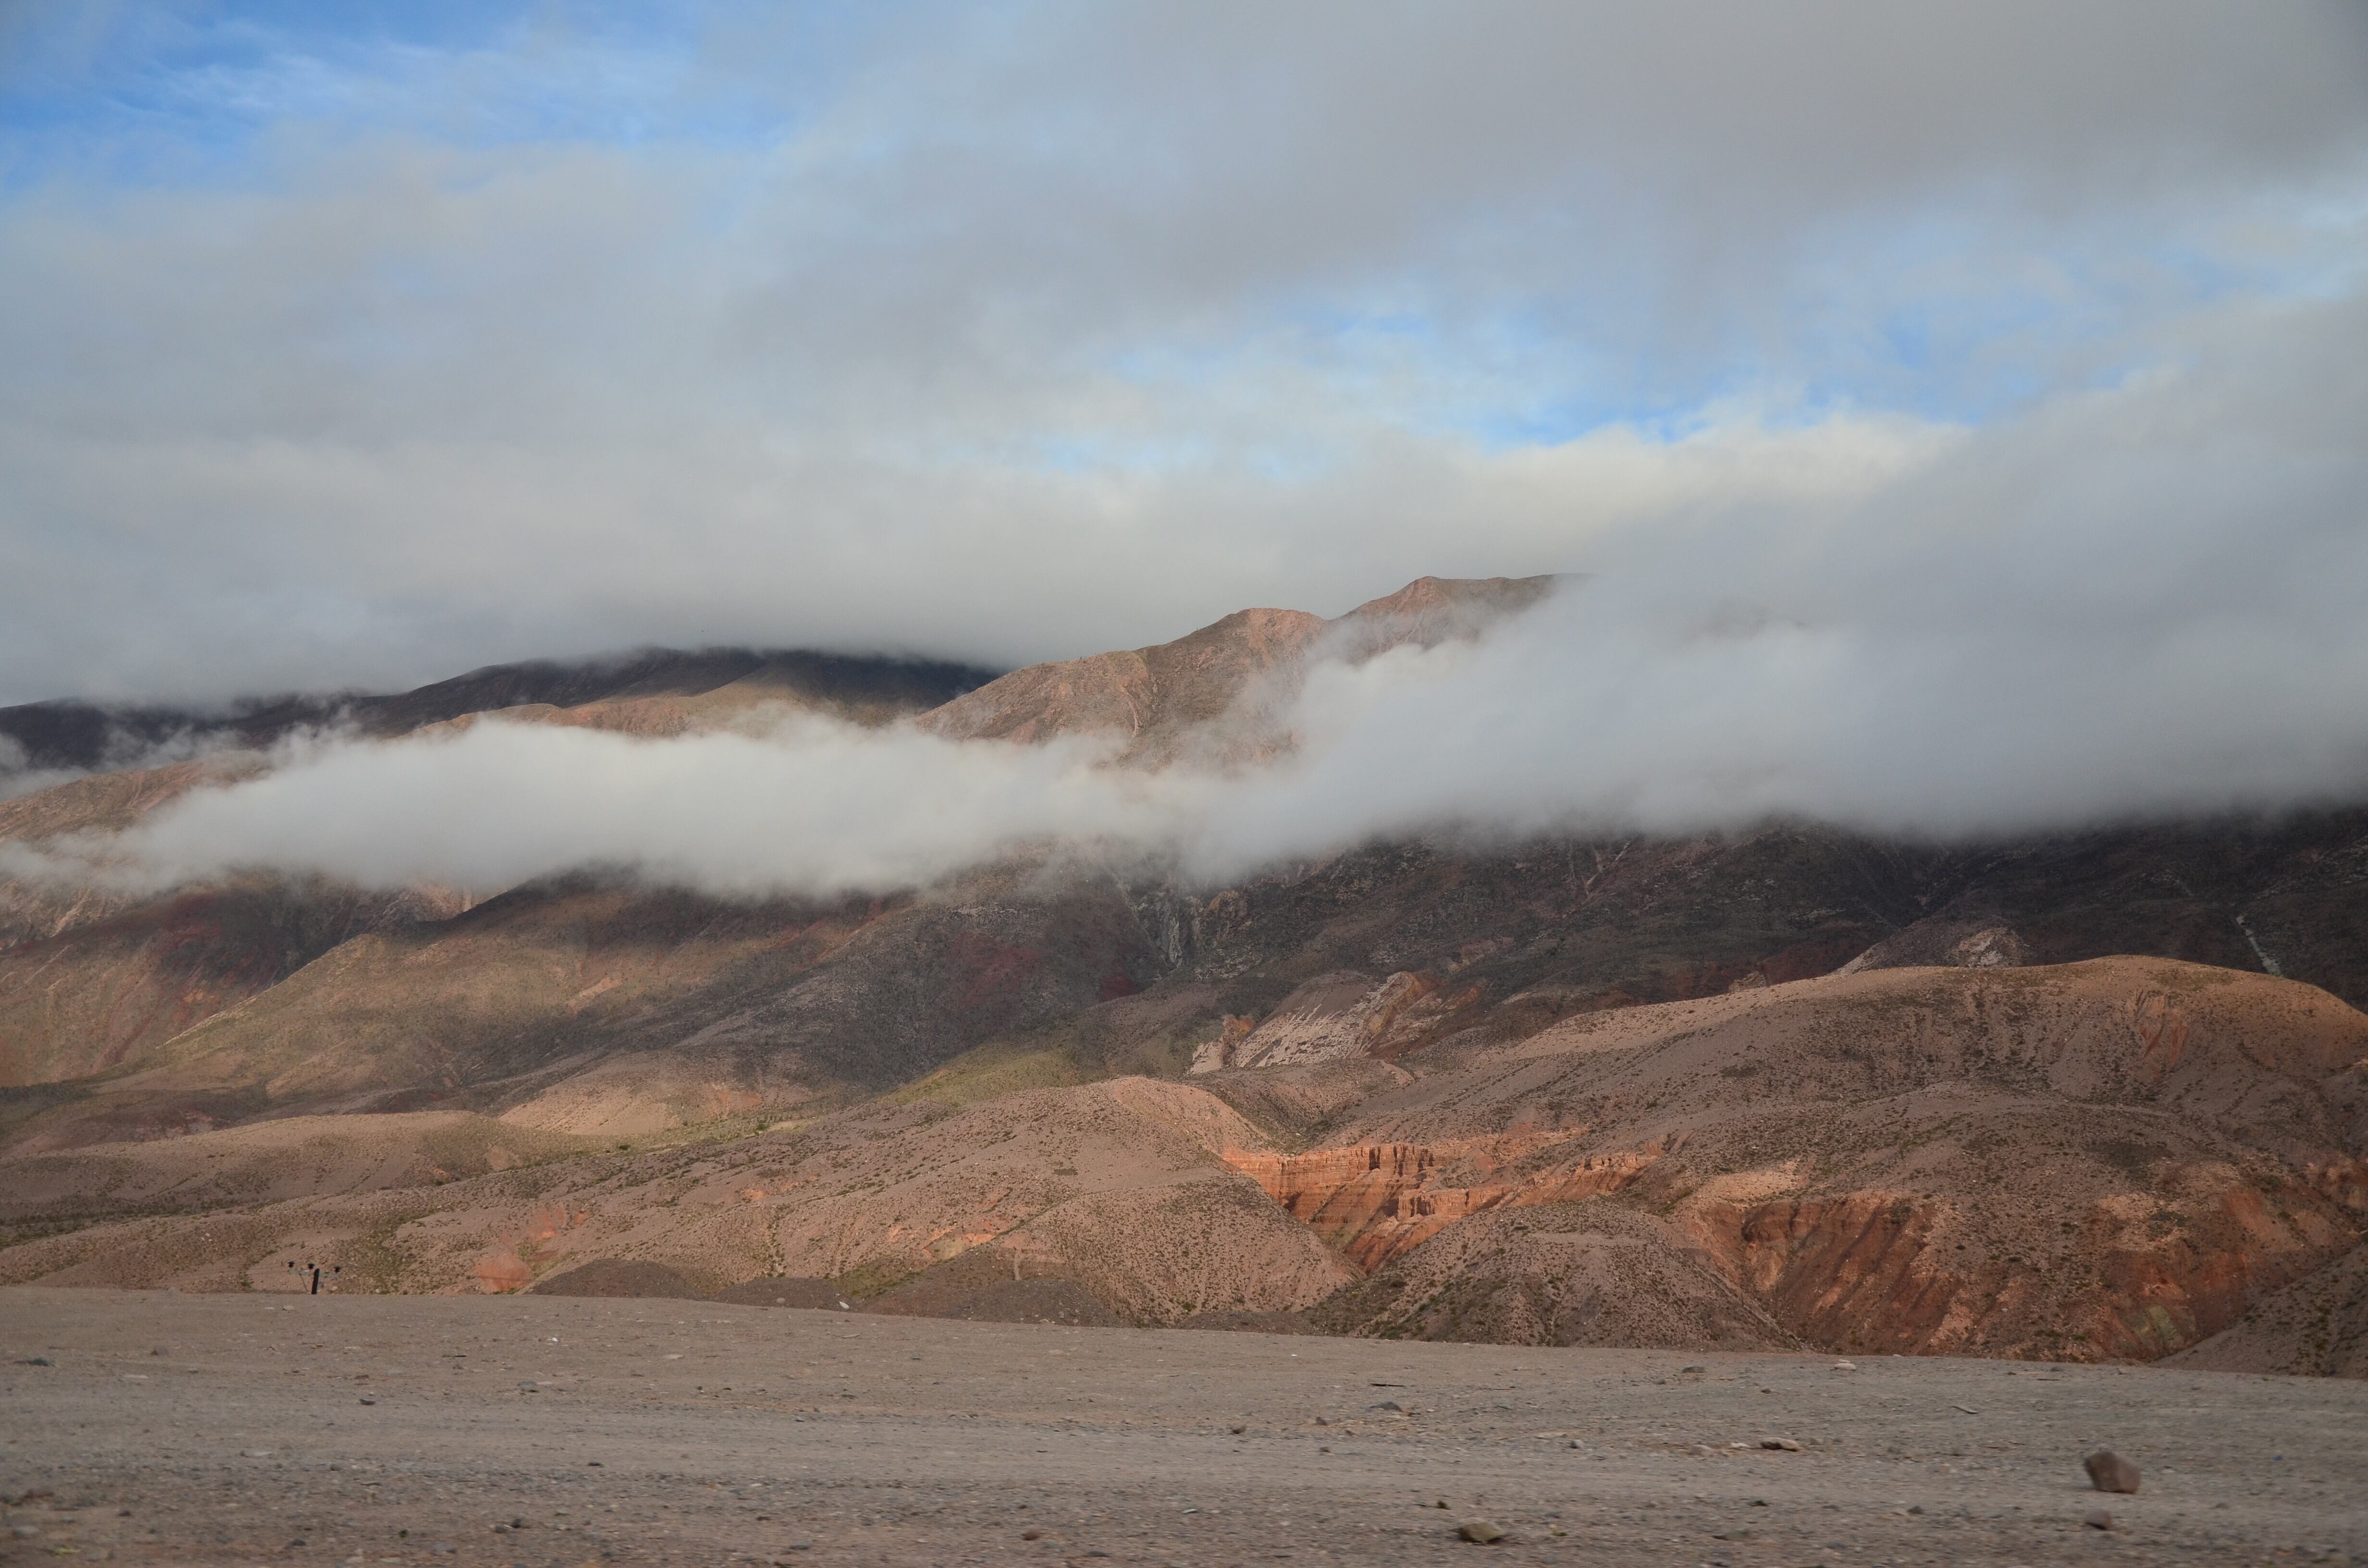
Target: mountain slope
column 1114, row 1187
column 1204, row 696
column 93, row 979
column 72, row 735
column 2109, row 1158
column 1788, row 1086
column 2104, row 1160
column 2317, row 1327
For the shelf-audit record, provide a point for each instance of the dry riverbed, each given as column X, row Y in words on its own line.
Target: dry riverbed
column 373, row 1430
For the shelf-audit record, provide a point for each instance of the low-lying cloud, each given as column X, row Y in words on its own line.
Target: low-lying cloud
column 818, row 806
column 2137, row 602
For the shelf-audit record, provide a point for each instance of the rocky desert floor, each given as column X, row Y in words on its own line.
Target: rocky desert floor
column 153, row 1426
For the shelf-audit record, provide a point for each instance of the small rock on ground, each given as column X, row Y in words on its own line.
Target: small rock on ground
column 2109, row 1471
column 1481, row 1531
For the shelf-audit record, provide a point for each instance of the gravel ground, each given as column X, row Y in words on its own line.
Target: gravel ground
column 532, row 1430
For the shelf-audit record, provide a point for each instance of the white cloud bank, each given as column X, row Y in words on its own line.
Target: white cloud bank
column 2142, row 601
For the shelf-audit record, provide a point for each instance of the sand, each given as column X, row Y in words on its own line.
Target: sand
column 227, row 1429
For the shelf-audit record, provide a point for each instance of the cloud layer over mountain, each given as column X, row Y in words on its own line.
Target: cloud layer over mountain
column 2134, row 602
column 373, row 349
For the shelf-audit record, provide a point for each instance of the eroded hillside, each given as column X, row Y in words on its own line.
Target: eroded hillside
column 2097, row 1096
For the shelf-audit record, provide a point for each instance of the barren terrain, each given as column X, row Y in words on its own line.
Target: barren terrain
column 291, row 1428
column 2100, row 1161
column 2100, row 1097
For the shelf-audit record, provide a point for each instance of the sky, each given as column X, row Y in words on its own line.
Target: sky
column 1958, row 414
column 377, row 342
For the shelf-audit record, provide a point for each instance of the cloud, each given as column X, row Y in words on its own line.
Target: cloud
column 1009, row 333
column 817, row 807
column 2132, row 603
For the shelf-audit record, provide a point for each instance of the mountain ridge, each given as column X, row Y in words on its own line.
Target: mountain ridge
column 74, row 734
column 1318, row 1005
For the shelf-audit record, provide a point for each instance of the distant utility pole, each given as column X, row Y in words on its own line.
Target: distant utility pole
column 316, row 1268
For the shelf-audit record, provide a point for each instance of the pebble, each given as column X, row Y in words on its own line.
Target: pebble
column 2098, row 1519
column 1481, row 1532
column 2109, row 1471
column 1845, row 1365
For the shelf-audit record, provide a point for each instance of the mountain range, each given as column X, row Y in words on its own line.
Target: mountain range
column 2101, row 1095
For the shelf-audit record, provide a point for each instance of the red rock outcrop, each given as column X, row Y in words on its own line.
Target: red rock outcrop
column 1375, row 1202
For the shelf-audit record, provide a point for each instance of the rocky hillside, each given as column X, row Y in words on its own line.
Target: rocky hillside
column 2082, row 1096
column 2113, row 1160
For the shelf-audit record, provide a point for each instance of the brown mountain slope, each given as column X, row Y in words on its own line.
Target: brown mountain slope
column 1395, row 944
column 295, row 1157
column 104, row 802
column 1610, row 1060
column 96, row 804
column 1557, row 1274
column 1386, row 948
column 681, row 702
column 1153, row 695
column 91, row 979
column 112, row 991
column 2106, row 1161
column 640, row 689
column 598, row 1007
column 1440, row 944
column 1158, row 696
column 2112, row 1158
column 1115, row 1186
column 1431, row 611
column 2317, row 1327
column 85, row 736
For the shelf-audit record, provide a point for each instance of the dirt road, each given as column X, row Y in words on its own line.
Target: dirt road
column 375, row 1429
